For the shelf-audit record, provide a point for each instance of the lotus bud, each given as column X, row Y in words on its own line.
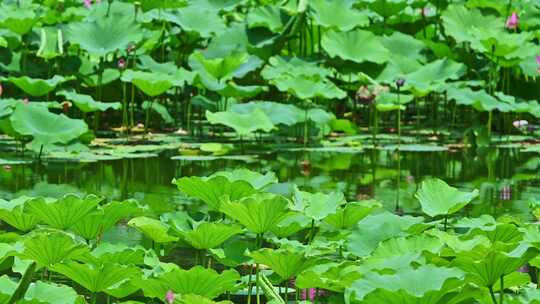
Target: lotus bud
column 1, row 90
column 520, row 123
column 400, row 82
column 169, row 297
column 505, row 193
column 87, row 3
column 121, row 63
column 512, row 22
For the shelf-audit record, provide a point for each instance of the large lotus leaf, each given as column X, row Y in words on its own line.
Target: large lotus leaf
column 153, row 229
column 268, row 16
column 217, row 5
column 243, row 124
column 387, row 101
column 291, row 223
column 400, row 44
column 158, row 108
column 232, row 253
column 206, row 23
column 387, row 8
column 36, row 86
column 119, row 254
column 18, row 19
column 358, row 46
column 7, row 288
column 104, row 35
column 51, row 44
column 152, row 84
column 337, row 14
column 279, row 113
column 296, row 67
column 233, row 90
column 87, row 104
column 373, row 229
column 480, row 100
column 13, row 214
column 197, row 299
column 64, row 212
column 256, row 179
column 210, row 235
column 259, row 213
column 499, row 43
column 309, row 87
column 212, row 190
column 317, row 206
column 432, row 76
column 425, row 284
column 438, row 198
column 50, row 293
column 285, row 263
column 48, row 248
column 486, row 265
column 45, row 127
column 350, row 214
column 459, row 21
column 400, row 253
column 181, row 75
column 330, row 276
column 97, row 278
column 199, row 281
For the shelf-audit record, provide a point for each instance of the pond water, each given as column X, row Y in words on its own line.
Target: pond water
column 506, row 177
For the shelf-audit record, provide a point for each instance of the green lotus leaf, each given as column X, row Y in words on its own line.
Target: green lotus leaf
column 309, row 87
column 257, row 180
column 108, row 76
column 36, row 86
column 296, row 67
column 438, row 198
column 51, row 45
column 13, row 214
column 45, row 127
column 279, row 113
column 51, row 293
column 459, row 21
column 259, row 213
column 291, row 223
column 97, row 278
column 18, row 19
column 211, row 190
column 197, row 299
column 387, row 8
column 387, row 101
column 158, row 108
column 285, row 263
column 210, row 235
column 49, row 248
column 217, row 5
column 268, row 16
column 480, row 100
column 87, row 104
column 243, row 124
column 317, row 206
column 350, row 214
column 403, row 45
column 104, row 35
column 153, row 229
column 432, row 76
column 232, row 253
column 181, row 75
column 425, row 284
column 337, row 14
column 7, row 288
column 233, row 90
column 118, row 254
column 375, row 228
column 197, row 280
column 205, row 22
column 64, row 212
column 152, row 84
column 358, row 46
column 330, row 276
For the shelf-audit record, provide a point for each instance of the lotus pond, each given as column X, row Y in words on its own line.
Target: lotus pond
column 269, row 151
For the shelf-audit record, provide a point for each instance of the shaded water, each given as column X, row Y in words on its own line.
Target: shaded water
column 369, row 174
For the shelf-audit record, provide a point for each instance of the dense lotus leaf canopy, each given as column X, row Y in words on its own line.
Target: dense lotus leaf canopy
column 357, row 46
column 337, row 14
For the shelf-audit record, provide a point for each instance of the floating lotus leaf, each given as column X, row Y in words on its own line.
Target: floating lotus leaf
column 358, row 46
column 104, row 35
column 36, row 86
column 438, row 198
column 338, row 14
column 243, row 124
column 45, row 127
column 87, row 104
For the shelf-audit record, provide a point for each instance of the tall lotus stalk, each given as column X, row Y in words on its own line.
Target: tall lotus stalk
column 399, row 83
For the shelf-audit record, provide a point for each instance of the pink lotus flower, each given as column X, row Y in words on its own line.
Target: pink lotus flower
column 25, row 100
column 425, row 11
column 88, row 3
column 169, row 297
column 505, row 193
column 513, row 21
column 1, row 90
column 121, row 63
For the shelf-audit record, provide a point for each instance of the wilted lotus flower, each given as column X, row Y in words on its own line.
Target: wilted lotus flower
column 520, row 123
column 7, row 167
column 505, row 193
column 364, row 95
column 400, row 82
column 513, row 21
column 121, row 63
column 169, row 297
column 25, row 100
column 1, row 90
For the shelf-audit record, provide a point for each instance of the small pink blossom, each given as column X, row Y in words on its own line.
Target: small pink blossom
column 513, row 21
column 169, row 297
column 425, row 11
column 87, row 3
column 1, row 90
column 505, row 193
column 121, row 63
